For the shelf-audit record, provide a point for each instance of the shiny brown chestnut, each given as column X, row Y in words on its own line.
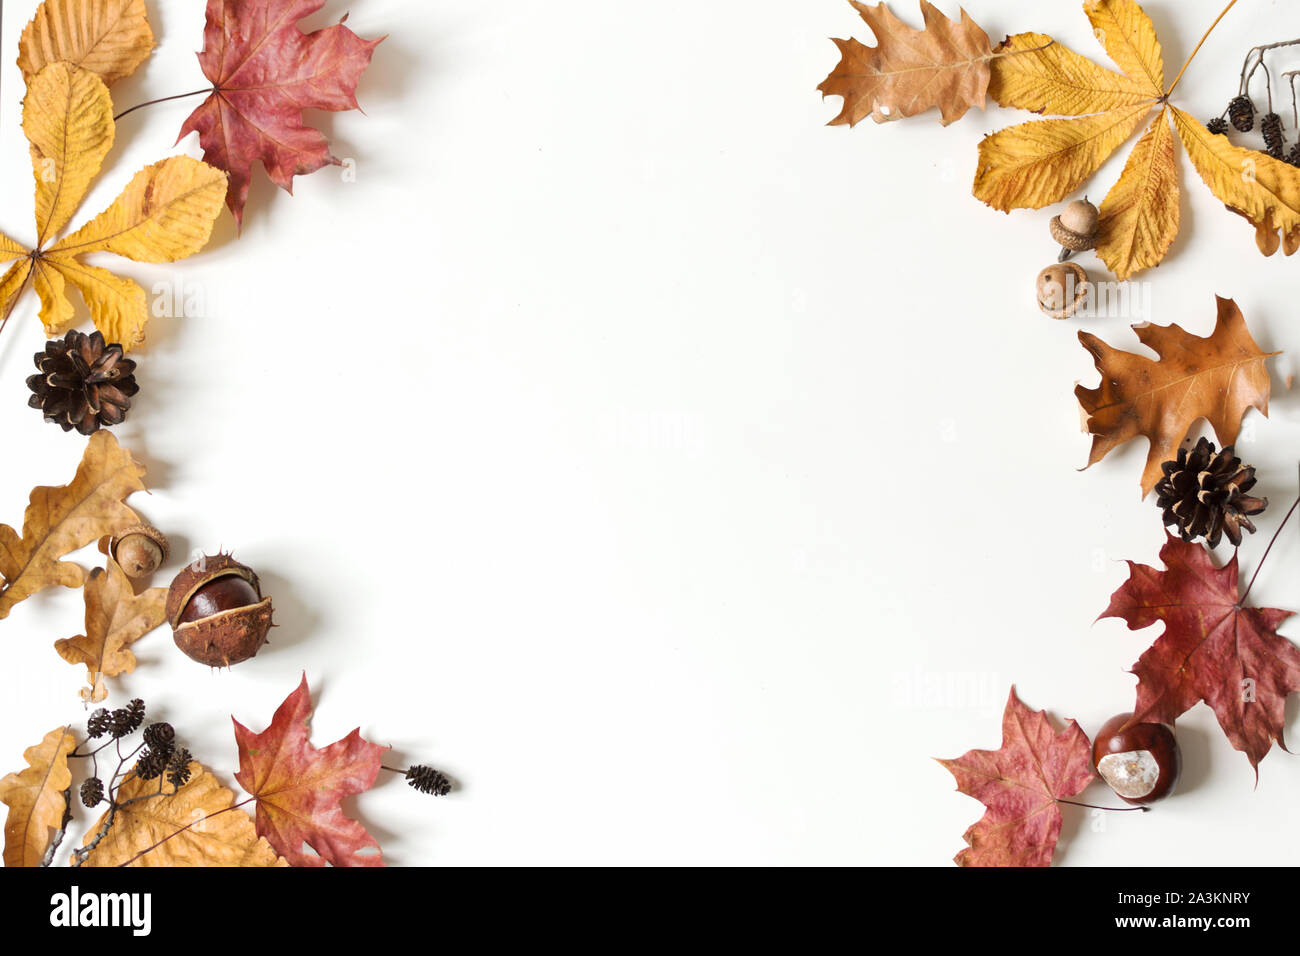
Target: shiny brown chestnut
column 217, row 612
column 1140, row 761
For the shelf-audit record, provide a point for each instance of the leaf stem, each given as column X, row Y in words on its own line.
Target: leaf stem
column 1169, row 92
column 163, row 99
column 217, row 813
column 1241, row 602
column 1091, row 806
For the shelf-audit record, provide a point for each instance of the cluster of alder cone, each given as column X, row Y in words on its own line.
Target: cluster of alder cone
column 160, row 806
column 1214, row 648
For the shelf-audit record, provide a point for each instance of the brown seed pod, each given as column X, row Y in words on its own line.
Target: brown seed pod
column 139, row 550
column 217, row 612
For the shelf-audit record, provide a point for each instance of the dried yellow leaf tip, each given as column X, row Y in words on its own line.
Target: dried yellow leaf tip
column 63, row 519
column 165, row 213
column 1216, row 378
column 37, row 798
column 910, row 71
column 115, row 618
column 1140, row 215
column 197, row 826
column 110, row 38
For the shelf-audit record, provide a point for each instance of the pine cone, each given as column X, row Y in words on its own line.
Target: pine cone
column 178, row 768
column 427, row 780
column 98, row 723
column 84, row 383
column 1217, row 126
column 1203, row 494
column 160, row 737
column 1242, row 113
column 151, row 764
column 1293, row 157
column 92, row 791
column 126, row 720
column 1271, row 127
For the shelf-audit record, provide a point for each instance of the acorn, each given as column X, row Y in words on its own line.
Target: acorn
column 1062, row 288
column 1076, row 228
column 139, row 550
column 217, row 612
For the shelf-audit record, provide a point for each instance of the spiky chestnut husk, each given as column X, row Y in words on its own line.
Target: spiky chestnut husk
column 217, row 612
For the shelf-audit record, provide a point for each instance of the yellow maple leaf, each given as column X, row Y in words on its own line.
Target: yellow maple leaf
column 108, row 37
column 37, row 798
column 1041, row 162
column 60, row 520
column 115, row 618
column 198, row 825
column 165, row 213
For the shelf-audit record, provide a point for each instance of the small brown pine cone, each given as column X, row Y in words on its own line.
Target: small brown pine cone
column 1203, row 494
column 1242, row 113
column 1274, row 139
column 84, row 382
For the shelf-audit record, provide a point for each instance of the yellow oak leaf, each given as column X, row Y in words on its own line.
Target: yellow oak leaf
column 197, row 825
column 165, row 213
column 108, row 37
column 1039, row 163
column 115, row 618
column 1139, row 217
column 1216, row 378
column 910, row 71
column 60, row 520
column 37, row 798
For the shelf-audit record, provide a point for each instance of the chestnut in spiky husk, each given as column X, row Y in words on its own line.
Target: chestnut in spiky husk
column 217, row 612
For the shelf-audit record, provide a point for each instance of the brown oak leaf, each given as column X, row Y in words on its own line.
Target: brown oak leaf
column 63, row 519
column 115, row 618
column 911, row 71
column 265, row 72
column 197, row 825
column 37, row 798
column 108, row 37
column 1021, row 784
column 1216, row 378
column 299, row 788
column 1212, row 649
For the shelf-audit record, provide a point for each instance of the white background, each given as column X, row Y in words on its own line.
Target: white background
column 677, row 473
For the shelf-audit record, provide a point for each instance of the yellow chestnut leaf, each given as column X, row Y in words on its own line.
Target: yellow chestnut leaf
column 110, row 38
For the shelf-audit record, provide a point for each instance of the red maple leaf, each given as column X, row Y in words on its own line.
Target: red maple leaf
column 299, row 787
column 265, row 72
column 1020, row 784
column 1212, row 649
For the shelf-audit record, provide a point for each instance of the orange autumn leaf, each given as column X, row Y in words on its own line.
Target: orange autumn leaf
column 63, row 519
column 108, row 37
column 197, row 825
column 115, row 618
column 37, row 798
column 945, row 65
column 1216, row 378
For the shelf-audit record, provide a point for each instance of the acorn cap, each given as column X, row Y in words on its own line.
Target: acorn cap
column 191, row 579
column 1074, row 241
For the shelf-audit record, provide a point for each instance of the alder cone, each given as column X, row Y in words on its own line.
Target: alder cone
column 217, row 612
